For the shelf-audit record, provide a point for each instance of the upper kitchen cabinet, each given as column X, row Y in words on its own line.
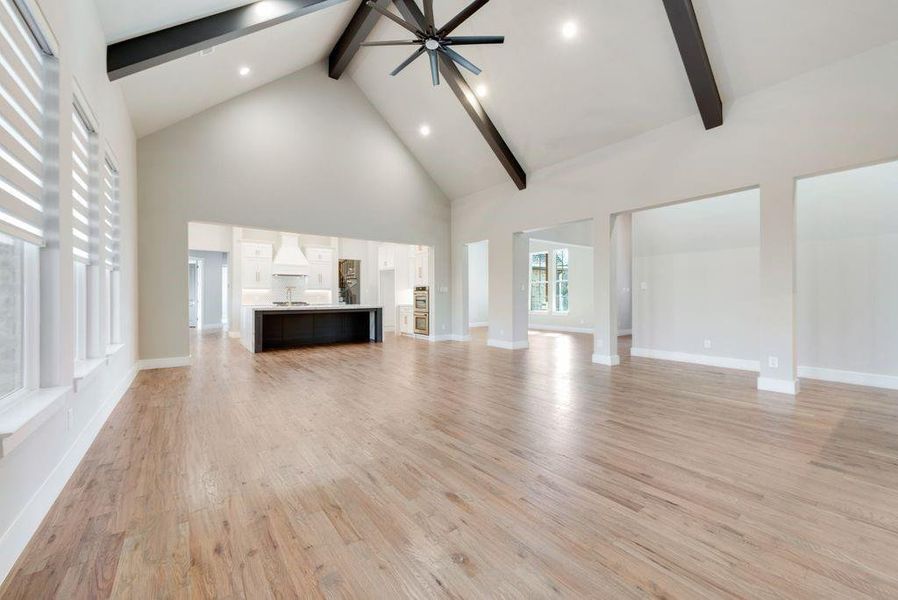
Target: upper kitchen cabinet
column 422, row 266
column 322, row 267
column 256, row 266
column 386, row 257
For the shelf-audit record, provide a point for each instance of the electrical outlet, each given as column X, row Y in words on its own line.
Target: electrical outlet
column 773, row 362
column 707, row 344
column 644, row 286
column 69, row 419
column 444, row 327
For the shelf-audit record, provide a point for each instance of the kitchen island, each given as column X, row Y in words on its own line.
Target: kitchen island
column 268, row 327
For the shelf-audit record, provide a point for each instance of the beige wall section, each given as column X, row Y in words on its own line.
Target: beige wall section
column 832, row 118
column 304, row 153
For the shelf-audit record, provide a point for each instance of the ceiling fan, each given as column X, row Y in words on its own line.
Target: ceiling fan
column 435, row 41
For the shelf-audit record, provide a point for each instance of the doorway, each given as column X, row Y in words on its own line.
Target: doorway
column 478, row 288
column 195, row 293
column 388, row 298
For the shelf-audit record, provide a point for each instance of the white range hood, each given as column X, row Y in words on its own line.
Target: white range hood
column 289, row 261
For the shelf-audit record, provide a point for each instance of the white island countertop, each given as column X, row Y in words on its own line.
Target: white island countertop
column 248, row 317
column 257, row 307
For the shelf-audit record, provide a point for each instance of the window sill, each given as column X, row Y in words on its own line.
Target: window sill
column 26, row 414
column 85, row 370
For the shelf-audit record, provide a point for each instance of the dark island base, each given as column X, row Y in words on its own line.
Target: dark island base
column 288, row 329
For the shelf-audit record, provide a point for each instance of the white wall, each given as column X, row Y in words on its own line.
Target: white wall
column 580, row 289
column 835, row 117
column 478, row 284
column 696, row 273
column 304, row 153
column 33, row 474
column 210, row 237
column 848, row 273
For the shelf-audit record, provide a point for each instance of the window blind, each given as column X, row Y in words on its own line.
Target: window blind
column 21, row 127
column 112, row 228
column 83, row 213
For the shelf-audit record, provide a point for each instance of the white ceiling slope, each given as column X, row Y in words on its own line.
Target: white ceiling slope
column 551, row 99
column 166, row 94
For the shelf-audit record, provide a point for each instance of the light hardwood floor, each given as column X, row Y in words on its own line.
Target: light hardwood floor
column 459, row 471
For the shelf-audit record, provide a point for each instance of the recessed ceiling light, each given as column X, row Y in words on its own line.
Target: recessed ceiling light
column 481, row 90
column 569, row 30
column 244, row 71
column 424, row 130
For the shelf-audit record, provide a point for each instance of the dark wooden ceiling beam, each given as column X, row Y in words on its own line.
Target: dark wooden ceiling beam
column 687, row 32
column 143, row 52
column 358, row 30
column 459, row 86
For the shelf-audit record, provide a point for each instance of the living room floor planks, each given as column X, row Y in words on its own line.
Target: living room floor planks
column 416, row 470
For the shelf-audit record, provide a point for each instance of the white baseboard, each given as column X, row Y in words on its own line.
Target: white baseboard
column 455, row 337
column 483, row 324
column 16, row 538
column 781, row 386
column 562, row 328
column 698, row 359
column 163, row 363
column 606, row 359
column 889, row 382
column 234, row 334
column 508, row 345
column 212, row 327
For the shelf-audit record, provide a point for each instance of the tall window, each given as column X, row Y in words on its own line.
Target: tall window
column 22, row 189
column 12, row 315
column 111, row 246
column 539, row 281
column 84, row 227
column 562, row 267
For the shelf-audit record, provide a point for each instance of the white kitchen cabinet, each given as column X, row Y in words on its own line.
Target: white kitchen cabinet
column 386, row 257
column 321, row 268
column 320, row 255
column 407, row 319
column 257, row 250
column 422, row 268
column 256, row 266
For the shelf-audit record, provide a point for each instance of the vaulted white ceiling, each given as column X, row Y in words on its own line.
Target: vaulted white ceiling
column 551, row 98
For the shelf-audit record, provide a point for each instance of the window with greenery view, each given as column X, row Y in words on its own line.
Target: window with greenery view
column 539, row 281
column 562, row 267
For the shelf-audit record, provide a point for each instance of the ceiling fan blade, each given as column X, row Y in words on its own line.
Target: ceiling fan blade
column 392, row 43
column 469, row 40
column 461, row 60
column 428, row 15
column 461, row 17
column 434, row 67
column 408, row 61
column 394, row 18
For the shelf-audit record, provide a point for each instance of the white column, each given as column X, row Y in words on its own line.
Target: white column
column 605, row 292
column 779, row 369
column 520, row 274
